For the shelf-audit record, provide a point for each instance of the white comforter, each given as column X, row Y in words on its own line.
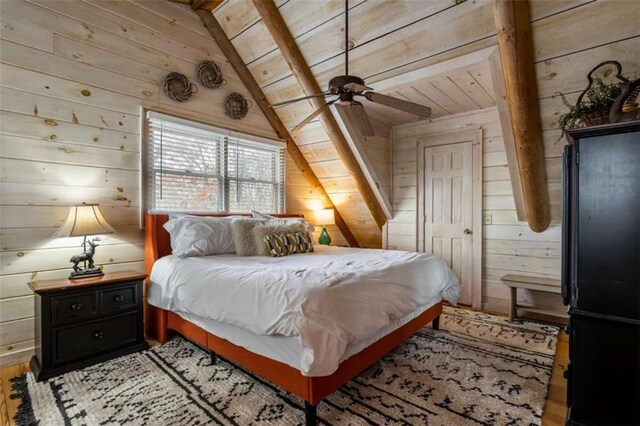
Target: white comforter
column 329, row 298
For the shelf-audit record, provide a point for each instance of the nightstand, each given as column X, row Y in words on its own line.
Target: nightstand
column 82, row 322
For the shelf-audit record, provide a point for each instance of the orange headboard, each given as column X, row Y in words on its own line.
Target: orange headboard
column 158, row 244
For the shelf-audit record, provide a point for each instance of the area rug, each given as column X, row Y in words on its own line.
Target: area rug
column 478, row 369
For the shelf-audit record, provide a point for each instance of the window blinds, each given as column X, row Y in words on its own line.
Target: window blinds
column 193, row 167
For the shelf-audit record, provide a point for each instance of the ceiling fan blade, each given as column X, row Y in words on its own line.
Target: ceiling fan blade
column 313, row 115
column 410, row 107
column 358, row 88
column 357, row 115
column 302, row 98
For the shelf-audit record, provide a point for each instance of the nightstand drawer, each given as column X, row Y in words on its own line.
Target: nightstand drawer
column 88, row 339
column 73, row 307
column 117, row 299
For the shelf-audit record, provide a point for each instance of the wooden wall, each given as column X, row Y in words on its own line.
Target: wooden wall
column 508, row 246
column 565, row 52
column 73, row 76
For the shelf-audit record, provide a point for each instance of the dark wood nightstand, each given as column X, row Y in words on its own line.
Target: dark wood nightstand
column 86, row 321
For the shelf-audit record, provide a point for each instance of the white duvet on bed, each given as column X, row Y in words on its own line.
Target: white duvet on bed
column 329, row 299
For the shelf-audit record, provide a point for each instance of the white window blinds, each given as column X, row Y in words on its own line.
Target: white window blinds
column 194, row 167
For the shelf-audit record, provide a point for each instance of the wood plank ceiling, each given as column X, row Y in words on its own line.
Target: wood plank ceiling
column 460, row 90
column 387, row 38
column 376, row 27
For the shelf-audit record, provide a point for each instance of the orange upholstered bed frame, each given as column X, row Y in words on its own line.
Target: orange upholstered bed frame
column 159, row 323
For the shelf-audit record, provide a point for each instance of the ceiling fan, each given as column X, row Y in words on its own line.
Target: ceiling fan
column 347, row 87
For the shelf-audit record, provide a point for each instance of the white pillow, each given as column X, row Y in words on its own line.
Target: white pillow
column 200, row 235
column 261, row 216
column 288, row 220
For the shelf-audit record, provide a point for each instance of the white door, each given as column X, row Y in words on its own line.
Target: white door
column 448, row 209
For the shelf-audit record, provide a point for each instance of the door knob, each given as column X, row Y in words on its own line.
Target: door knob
column 468, row 231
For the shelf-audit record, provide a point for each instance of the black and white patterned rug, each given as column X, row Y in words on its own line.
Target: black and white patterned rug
column 479, row 369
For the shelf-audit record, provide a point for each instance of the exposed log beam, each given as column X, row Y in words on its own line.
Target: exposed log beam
column 278, row 29
column 263, row 103
column 517, row 56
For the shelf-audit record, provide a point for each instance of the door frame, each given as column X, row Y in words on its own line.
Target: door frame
column 448, row 138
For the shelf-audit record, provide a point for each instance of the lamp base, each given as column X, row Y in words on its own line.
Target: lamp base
column 86, row 273
column 324, row 238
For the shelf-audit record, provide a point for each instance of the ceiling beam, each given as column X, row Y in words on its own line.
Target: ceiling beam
column 263, row 103
column 278, row 29
column 434, row 70
column 517, row 56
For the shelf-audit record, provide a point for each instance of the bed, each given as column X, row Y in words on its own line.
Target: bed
column 310, row 364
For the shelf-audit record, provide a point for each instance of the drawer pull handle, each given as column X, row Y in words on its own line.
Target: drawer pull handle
column 98, row 335
column 118, row 299
column 76, row 307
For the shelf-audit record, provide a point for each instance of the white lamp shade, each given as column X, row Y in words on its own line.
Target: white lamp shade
column 325, row 217
column 85, row 219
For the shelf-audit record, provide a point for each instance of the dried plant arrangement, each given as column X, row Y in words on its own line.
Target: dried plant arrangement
column 592, row 107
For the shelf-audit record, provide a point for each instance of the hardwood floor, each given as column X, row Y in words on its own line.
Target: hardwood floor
column 8, row 406
column 555, row 409
column 553, row 415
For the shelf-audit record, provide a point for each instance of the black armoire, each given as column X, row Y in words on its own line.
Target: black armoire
column 601, row 273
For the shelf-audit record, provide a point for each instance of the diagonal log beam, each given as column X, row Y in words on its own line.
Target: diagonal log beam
column 278, row 29
column 263, row 103
column 517, row 55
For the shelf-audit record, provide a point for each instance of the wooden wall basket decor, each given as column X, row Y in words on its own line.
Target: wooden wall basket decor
column 237, row 106
column 178, row 87
column 209, row 75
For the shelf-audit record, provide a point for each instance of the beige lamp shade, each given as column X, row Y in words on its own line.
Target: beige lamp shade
column 85, row 219
column 325, row 217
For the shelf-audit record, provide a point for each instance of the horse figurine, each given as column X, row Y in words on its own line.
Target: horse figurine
column 86, row 256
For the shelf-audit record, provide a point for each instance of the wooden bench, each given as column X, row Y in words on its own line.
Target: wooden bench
column 548, row 285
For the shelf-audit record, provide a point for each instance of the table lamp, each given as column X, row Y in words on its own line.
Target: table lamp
column 325, row 217
column 84, row 220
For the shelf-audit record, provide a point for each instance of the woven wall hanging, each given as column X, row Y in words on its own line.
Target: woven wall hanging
column 237, row 106
column 178, row 87
column 209, row 75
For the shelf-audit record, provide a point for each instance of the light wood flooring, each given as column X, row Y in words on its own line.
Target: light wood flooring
column 554, row 409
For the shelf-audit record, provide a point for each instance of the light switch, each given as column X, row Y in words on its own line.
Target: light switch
column 487, row 218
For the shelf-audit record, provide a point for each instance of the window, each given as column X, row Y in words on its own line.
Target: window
column 194, row 167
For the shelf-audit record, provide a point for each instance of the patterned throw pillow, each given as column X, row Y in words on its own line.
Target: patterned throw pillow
column 272, row 227
column 300, row 242
column 276, row 244
column 279, row 245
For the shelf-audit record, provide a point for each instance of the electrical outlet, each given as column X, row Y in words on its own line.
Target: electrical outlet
column 487, row 218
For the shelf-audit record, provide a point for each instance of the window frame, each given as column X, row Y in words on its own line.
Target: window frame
column 147, row 113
